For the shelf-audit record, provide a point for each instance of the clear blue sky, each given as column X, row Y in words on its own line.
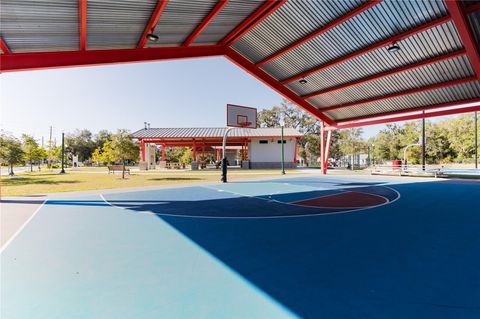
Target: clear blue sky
column 182, row 93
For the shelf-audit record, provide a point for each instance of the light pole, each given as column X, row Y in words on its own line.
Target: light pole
column 282, row 124
column 63, row 154
column 373, row 154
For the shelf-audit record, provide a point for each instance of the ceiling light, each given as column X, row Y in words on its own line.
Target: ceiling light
column 152, row 37
column 303, row 81
column 394, row 48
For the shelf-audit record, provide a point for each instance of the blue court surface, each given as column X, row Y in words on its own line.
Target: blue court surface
column 304, row 247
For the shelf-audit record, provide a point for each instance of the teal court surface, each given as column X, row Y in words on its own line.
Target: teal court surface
column 303, row 247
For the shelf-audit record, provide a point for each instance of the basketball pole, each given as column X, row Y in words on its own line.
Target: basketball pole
column 224, row 157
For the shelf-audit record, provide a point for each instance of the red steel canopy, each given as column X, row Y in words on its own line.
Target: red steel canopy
column 342, row 61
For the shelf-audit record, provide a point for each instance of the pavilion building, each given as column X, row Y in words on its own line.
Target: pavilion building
column 261, row 147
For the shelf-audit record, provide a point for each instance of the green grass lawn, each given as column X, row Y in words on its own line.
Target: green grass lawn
column 88, row 179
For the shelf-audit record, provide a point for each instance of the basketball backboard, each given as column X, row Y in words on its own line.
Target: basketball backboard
column 241, row 116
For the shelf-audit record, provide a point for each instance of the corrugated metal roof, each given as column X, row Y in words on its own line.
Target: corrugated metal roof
column 53, row 25
column 380, row 22
column 234, row 12
column 179, row 19
column 457, row 93
column 39, row 26
column 303, row 17
column 445, row 71
column 419, row 47
column 115, row 24
column 213, row 132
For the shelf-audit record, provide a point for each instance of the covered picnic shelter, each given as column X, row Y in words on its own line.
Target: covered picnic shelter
column 260, row 147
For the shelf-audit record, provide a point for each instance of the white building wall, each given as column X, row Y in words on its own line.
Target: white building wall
column 150, row 156
column 271, row 152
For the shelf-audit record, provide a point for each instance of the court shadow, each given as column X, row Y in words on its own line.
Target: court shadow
column 395, row 261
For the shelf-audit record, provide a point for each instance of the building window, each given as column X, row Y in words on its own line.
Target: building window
column 263, row 142
column 280, row 141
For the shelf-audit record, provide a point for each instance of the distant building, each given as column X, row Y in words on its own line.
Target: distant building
column 261, row 147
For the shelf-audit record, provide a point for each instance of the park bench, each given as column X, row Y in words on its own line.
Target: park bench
column 118, row 168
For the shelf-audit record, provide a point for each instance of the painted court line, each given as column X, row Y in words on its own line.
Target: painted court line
column 259, row 198
column 22, row 227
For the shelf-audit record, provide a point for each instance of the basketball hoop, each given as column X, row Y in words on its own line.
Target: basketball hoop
column 245, row 124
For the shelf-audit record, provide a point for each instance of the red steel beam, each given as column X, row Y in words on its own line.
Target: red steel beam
column 47, row 60
column 82, row 19
column 239, row 60
column 4, row 47
column 397, row 94
column 157, row 13
column 423, row 108
column 388, row 73
column 199, row 29
column 472, row 8
column 373, row 47
column 460, row 20
column 251, row 21
column 322, row 30
column 411, row 117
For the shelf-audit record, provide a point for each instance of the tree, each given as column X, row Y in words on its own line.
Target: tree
column 351, row 142
column 32, row 151
column 101, row 137
column 122, row 148
column 460, row 136
column 388, row 142
column 187, row 157
column 11, row 151
column 104, row 154
column 80, row 143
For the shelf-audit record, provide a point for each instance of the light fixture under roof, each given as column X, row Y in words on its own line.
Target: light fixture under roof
column 152, row 37
column 393, row 48
column 303, row 81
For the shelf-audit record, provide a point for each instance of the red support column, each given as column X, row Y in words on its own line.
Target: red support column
column 203, row 152
column 82, row 24
column 142, row 143
column 322, row 148
column 327, row 151
column 463, row 27
column 163, row 152
column 194, row 151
